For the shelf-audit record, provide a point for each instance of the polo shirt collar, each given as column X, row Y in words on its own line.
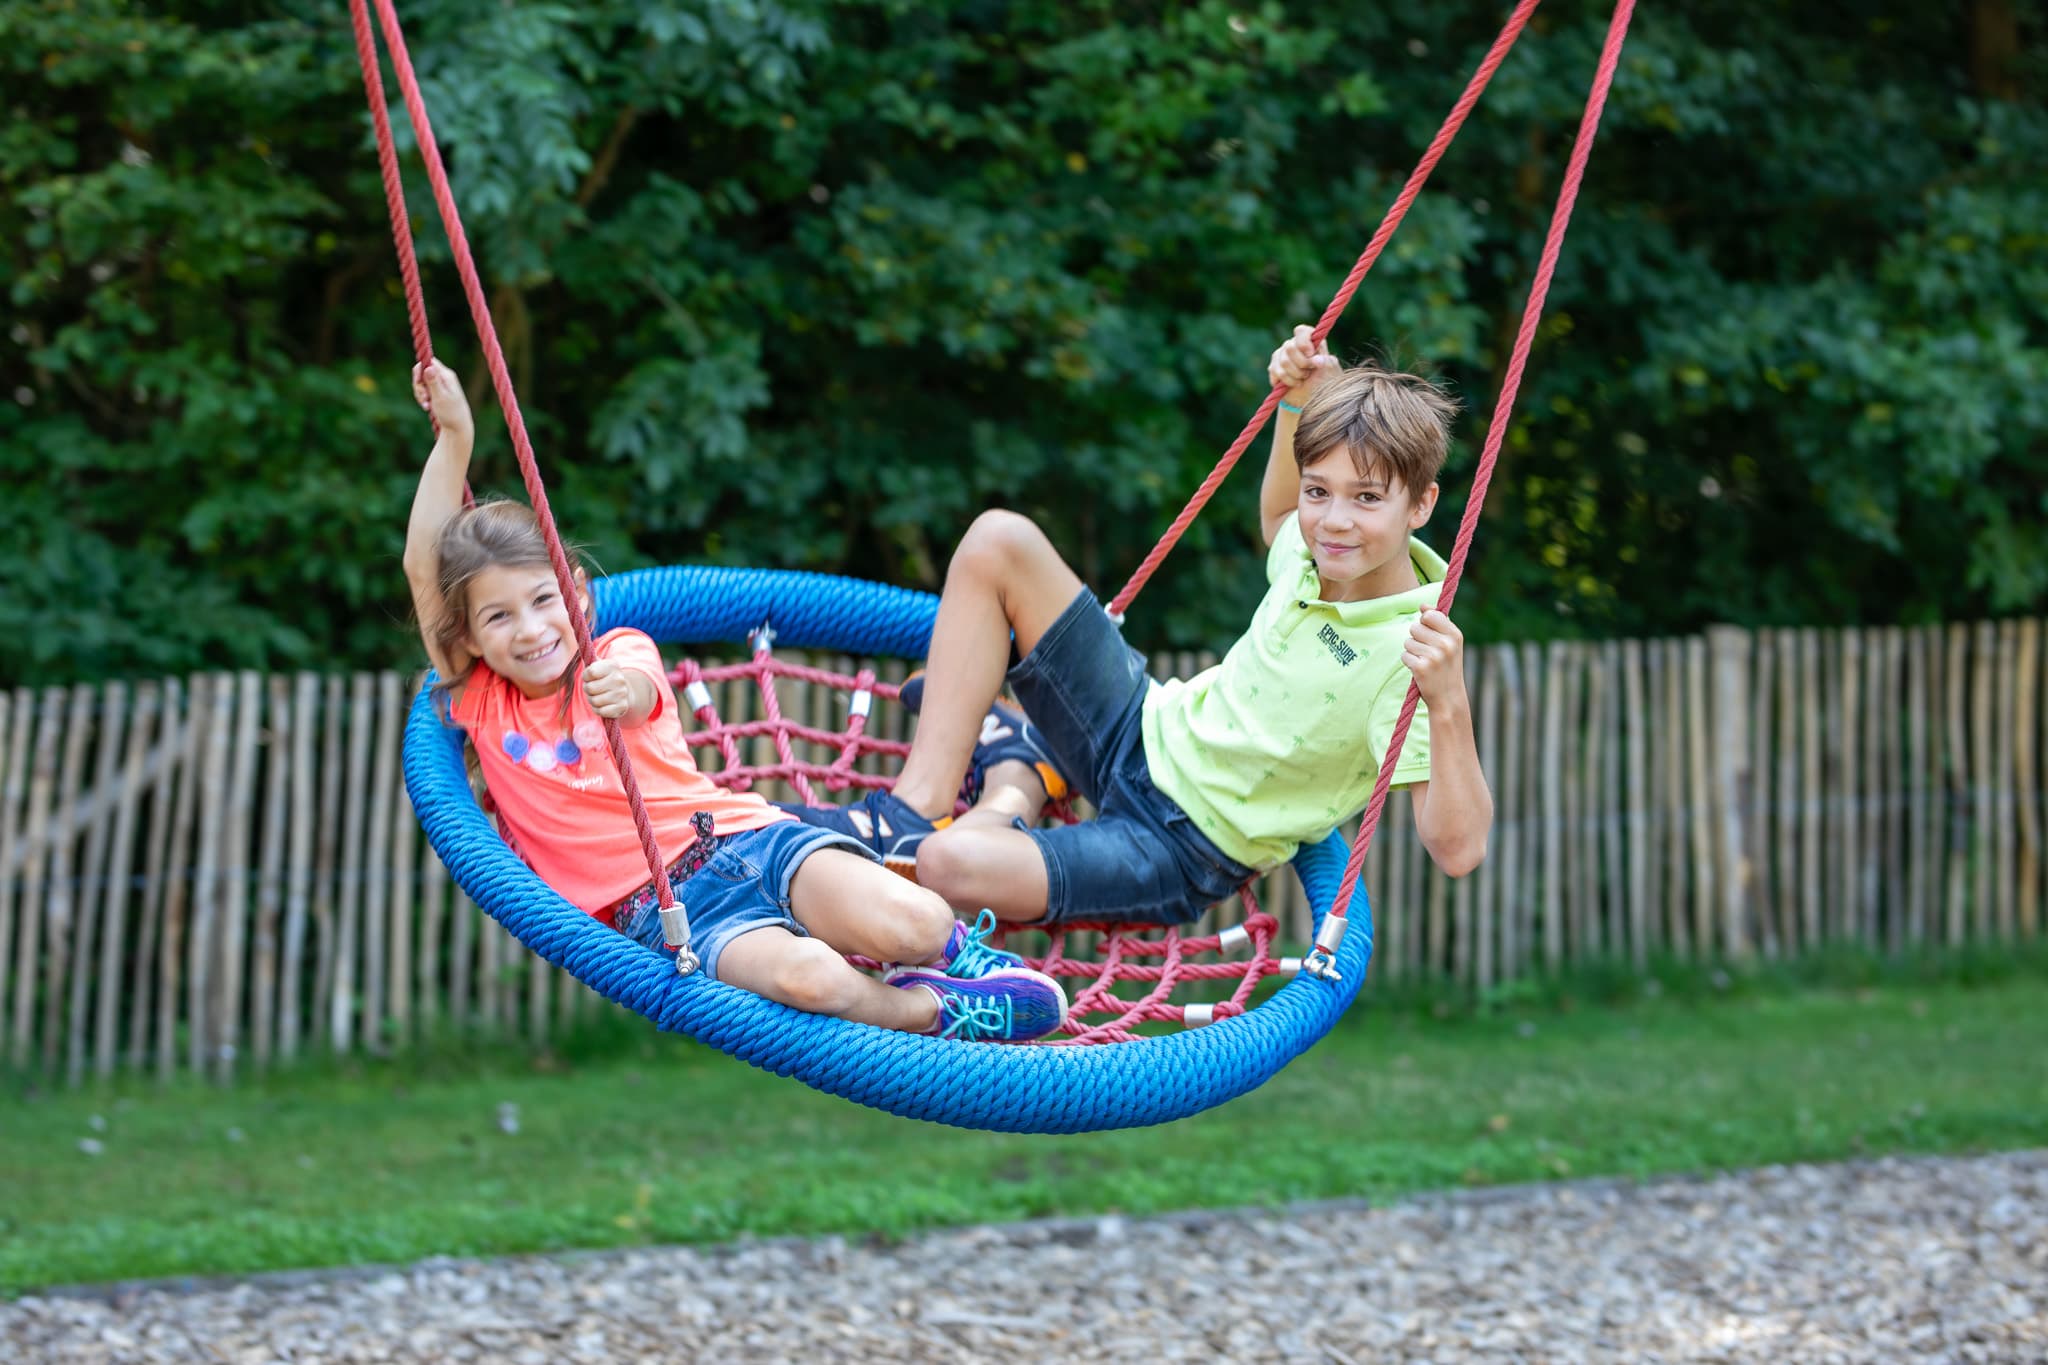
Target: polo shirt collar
column 1428, row 563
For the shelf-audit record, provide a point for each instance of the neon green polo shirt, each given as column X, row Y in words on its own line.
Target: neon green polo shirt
column 1281, row 742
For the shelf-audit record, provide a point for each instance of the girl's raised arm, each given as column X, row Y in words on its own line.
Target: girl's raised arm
column 439, row 498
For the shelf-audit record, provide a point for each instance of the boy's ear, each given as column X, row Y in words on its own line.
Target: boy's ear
column 1418, row 514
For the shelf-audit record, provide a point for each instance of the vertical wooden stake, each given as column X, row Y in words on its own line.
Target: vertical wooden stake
column 1729, row 649
column 277, row 745
column 328, row 858
column 164, row 785
column 1756, row 838
column 95, row 876
column 236, row 836
column 1551, row 766
column 178, row 893
column 1962, row 818
column 349, row 904
column 2027, row 703
column 123, row 889
column 205, row 1031
column 298, row 895
column 60, row 909
column 1641, row 887
column 2004, row 800
column 1919, row 763
column 1790, row 796
column 1983, row 812
column 375, row 868
column 42, row 784
column 1700, row 799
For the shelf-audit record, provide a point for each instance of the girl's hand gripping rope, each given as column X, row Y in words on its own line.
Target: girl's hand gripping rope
column 437, row 390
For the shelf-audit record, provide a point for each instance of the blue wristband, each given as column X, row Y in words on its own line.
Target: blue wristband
column 1286, row 406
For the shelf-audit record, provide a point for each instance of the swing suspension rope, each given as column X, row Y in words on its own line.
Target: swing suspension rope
column 1125, row 956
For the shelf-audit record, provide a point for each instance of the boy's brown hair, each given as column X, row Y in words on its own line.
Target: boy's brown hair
column 1396, row 424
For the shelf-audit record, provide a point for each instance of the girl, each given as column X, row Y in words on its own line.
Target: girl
column 777, row 901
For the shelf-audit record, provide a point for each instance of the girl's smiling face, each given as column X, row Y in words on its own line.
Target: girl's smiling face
column 1357, row 527
column 518, row 624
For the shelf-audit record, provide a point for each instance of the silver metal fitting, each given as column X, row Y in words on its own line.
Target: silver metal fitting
column 1289, row 967
column 1198, row 1016
column 860, row 703
column 1321, row 961
column 1116, row 618
column 1233, row 938
column 762, row 638
column 698, row 695
column 675, row 931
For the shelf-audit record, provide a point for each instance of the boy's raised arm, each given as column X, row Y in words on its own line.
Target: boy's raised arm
column 439, row 497
column 1299, row 363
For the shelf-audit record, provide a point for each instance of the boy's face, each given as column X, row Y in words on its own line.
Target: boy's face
column 520, row 628
column 1357, row 527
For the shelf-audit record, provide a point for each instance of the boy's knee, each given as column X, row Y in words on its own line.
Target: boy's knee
column 945, row 864
column 999, row 540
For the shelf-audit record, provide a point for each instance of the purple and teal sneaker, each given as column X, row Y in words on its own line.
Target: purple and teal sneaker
column 967, row 954
column 888, row 826
column 1006, row 736
column 1009, row 1005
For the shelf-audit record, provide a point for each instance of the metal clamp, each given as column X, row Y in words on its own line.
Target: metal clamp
column 675, row 931
column 1321, row 961
column 761, row 638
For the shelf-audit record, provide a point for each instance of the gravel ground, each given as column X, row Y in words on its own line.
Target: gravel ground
column 1892, row 1260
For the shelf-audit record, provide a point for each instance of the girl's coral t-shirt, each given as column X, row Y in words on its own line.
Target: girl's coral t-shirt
column 551, row 776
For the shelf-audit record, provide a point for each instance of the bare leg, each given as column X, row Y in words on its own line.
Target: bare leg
column 986, row 864
column 857, row 906
column 1010, row 791
column 1006, row 580
column 808, row 974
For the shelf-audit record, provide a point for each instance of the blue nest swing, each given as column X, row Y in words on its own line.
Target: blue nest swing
column 1006, row 1088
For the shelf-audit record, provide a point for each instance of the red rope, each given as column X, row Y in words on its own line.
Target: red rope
column 494, row 358
column 1438, row 145
column 1503, row 410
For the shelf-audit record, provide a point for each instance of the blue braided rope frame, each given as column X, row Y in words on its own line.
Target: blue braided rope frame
column 970, row 1085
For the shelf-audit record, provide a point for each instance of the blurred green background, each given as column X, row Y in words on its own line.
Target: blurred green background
column 809, row 283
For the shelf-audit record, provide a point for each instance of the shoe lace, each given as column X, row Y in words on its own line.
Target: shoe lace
column 975, row 956
column 972, row 1020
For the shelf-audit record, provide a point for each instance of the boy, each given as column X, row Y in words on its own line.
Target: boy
column 1202, row 783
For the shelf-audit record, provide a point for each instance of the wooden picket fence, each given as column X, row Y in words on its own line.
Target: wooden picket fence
column 223, row 872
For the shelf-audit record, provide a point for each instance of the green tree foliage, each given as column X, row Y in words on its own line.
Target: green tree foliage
column 809, row 284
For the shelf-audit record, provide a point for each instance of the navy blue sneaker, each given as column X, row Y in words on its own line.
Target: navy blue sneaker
column 888, row 826
column 1006, row 736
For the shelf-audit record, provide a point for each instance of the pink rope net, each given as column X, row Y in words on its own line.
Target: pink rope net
column 1123, row 976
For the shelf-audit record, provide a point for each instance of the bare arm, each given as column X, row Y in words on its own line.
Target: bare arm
column 1299, row 363
column 439, row 497
column 1454, row 809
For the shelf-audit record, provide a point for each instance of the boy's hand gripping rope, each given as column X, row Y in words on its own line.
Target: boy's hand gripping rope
column 1398, row 210
column 674, row 921
column 1321, row 961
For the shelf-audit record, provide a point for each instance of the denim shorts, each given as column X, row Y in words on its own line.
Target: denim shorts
column 742, row 887
column 1141, row 858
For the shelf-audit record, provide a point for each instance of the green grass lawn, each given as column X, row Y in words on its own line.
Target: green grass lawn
column 639, row 1138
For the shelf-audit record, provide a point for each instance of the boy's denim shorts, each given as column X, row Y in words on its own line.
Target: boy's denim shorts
column 1141, row 858
column 742, row 887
